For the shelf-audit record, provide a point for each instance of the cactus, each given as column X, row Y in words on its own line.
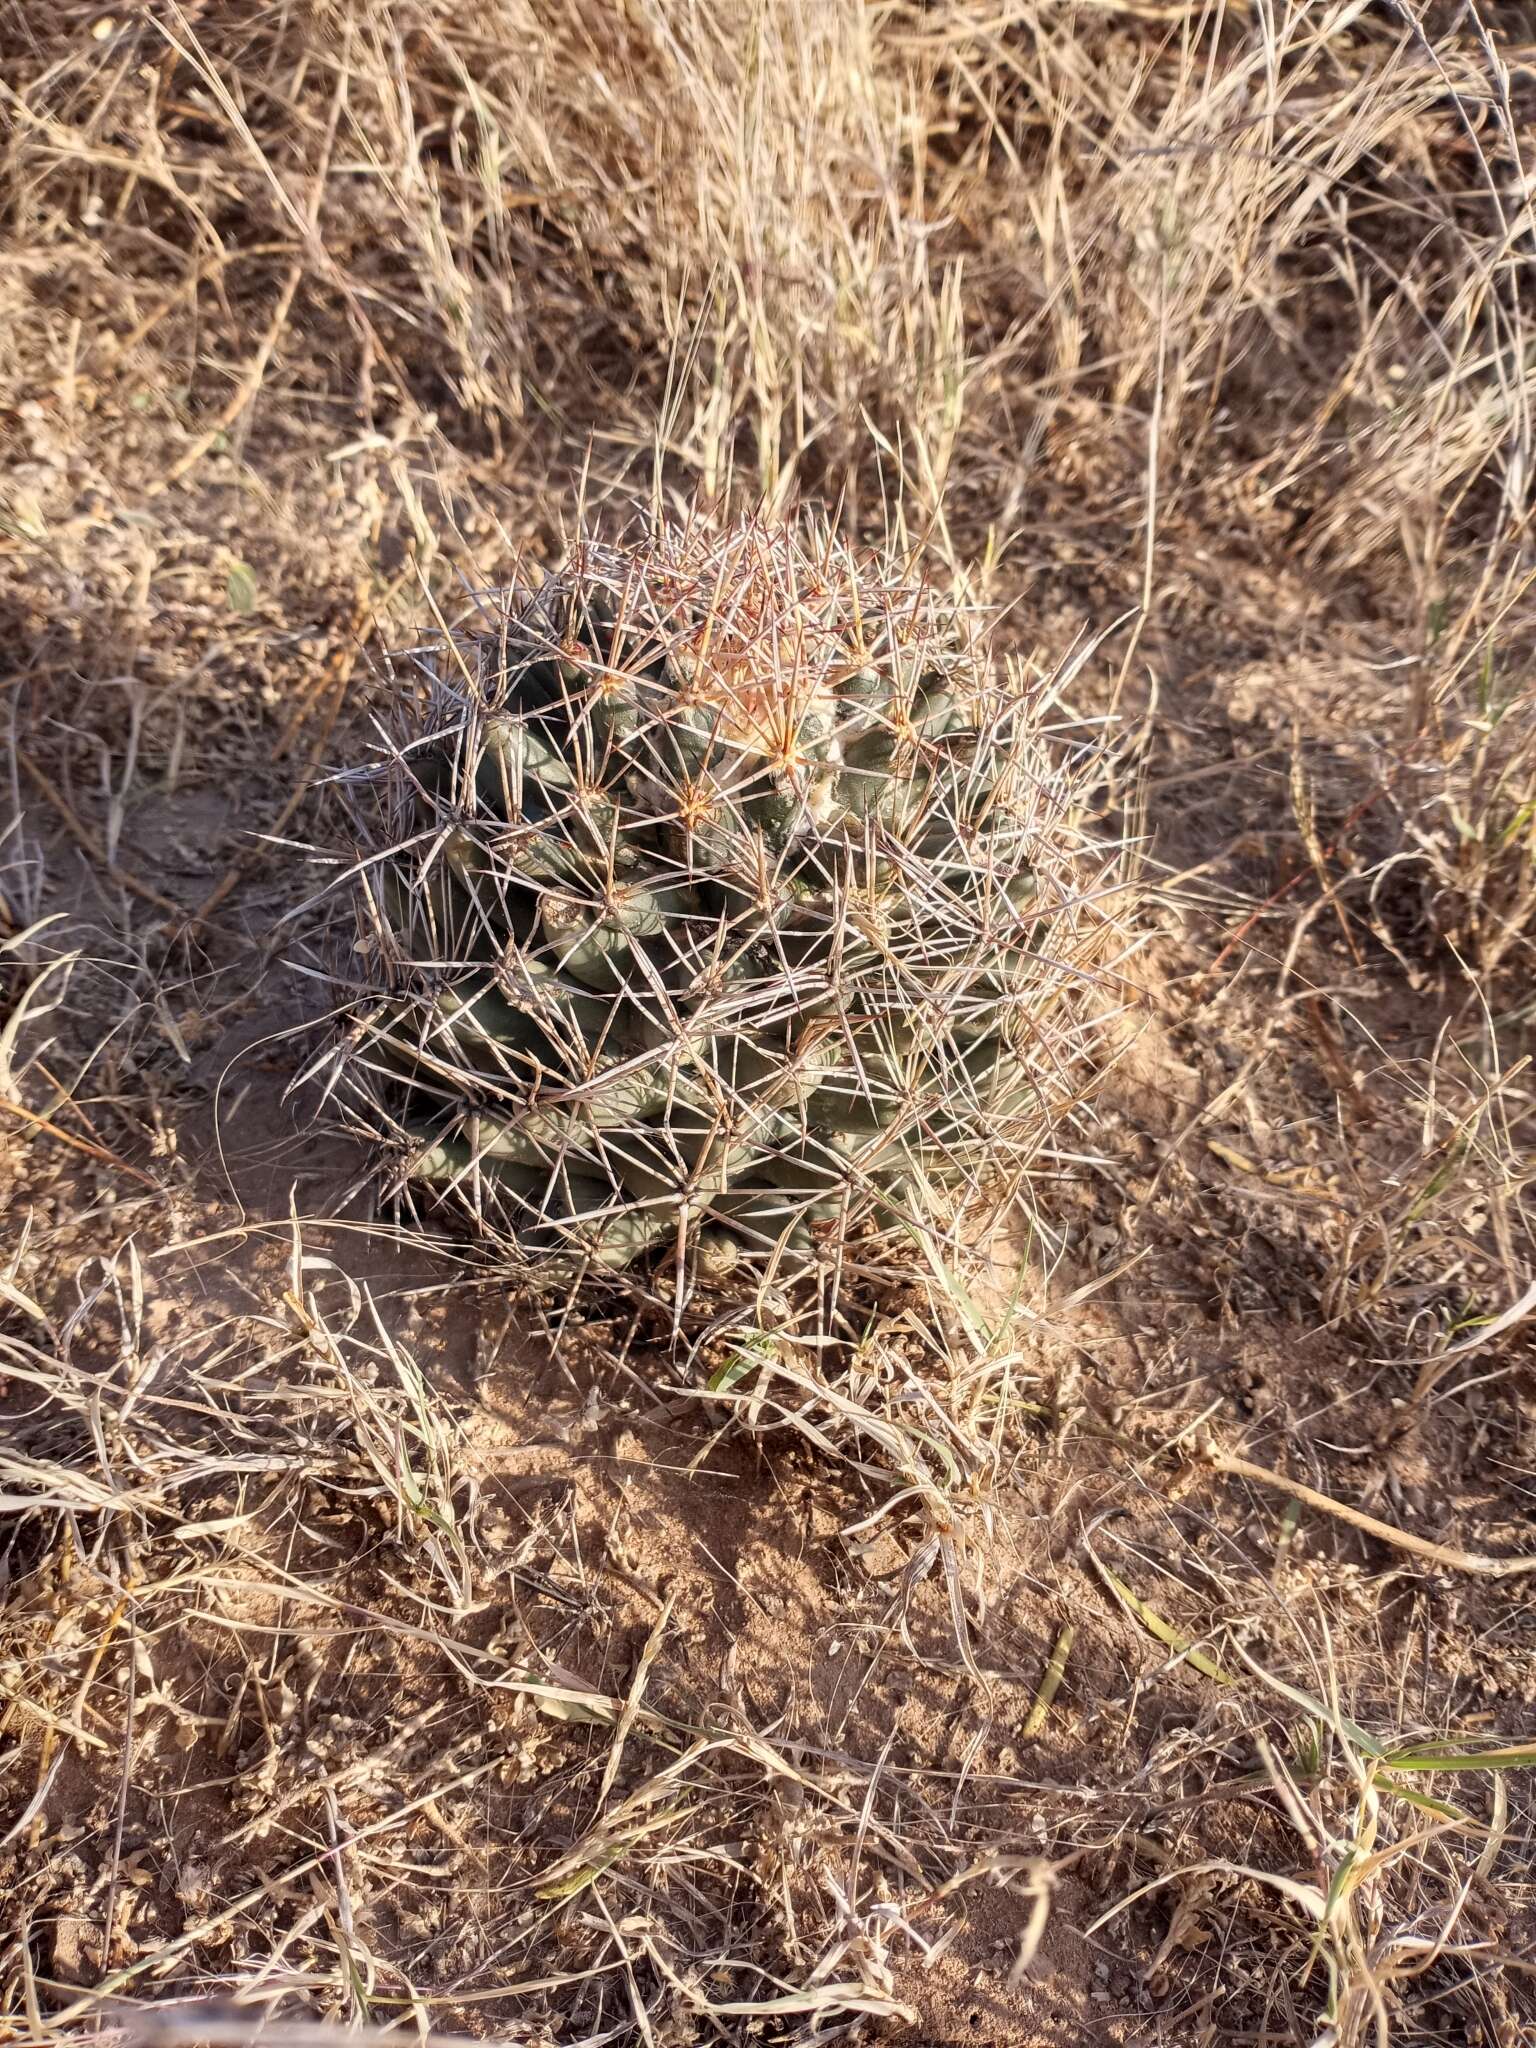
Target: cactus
column 720, row 914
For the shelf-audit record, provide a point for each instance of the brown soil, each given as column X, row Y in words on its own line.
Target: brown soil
column 618, row 1527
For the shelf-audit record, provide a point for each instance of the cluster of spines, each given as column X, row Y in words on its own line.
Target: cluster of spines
column 721, row 895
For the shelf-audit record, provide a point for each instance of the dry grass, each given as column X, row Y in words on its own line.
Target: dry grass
column 208, row 1587
column 592, row 1706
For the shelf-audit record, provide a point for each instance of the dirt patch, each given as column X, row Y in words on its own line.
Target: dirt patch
column 455, row 1674
column 429, row 1652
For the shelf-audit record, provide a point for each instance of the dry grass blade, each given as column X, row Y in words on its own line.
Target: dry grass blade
column 1442, row 1554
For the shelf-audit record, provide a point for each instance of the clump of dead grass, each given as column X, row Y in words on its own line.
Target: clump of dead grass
column 789, row 232
column 1465, row 808
column 245, row 1571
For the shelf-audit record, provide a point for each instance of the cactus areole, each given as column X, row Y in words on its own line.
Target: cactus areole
column 716, row 914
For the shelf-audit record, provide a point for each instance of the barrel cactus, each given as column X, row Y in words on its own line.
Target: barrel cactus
column 721, row 919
